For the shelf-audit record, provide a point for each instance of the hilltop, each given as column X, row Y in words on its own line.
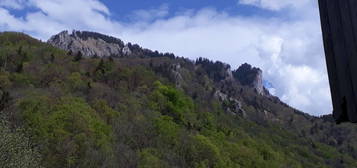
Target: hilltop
column 89, row 100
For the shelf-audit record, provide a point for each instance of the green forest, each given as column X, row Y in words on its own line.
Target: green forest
column 59, row 109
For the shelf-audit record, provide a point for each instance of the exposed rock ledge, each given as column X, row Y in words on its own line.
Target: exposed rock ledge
column 89, row 44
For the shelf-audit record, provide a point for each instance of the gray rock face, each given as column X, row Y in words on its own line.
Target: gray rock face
column 250, row 76
column 126, row 50
column 218, row 71
column 258, row 82
column 176, row 75
column 89, row 44
column 231, row 105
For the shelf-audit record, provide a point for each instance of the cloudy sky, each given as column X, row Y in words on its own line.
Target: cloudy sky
column 282, row 37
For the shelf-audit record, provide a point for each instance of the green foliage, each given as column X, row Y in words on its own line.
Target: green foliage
column 105, row 112
column 16, row 150
column 70, row 127
column 79, row 112
column 103, row 68
column 167, row 130
column 172, row 102
column 75, row 82
column 4, row 80
column 21, row 80
column 204, row 153
column 149, row 160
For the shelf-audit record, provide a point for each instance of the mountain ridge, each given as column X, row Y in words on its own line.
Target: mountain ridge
column 245, row 74
column 154, row 109
column 93, row 44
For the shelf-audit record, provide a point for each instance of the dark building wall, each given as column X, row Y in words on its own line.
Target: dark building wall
column 339, row 27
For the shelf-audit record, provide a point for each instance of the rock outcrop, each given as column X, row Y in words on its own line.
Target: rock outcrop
column 176, row 75
column 230, row 104
column 250, row 76
column 89, row 44
column 218, row 71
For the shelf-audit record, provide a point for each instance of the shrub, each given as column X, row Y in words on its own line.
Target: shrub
column 16, row 150
column 69, row 129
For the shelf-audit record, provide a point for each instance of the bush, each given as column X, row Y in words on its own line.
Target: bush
column 173, row 103
column 16, row 150
column 4, row 80
column 149, row 160
column 205, row 153
column 69, row 129
column 167, row 130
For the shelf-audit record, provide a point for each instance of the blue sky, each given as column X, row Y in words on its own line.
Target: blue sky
column 282, row 37
column 121, row 12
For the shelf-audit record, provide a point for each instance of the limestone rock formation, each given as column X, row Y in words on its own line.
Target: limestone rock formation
column 218, row 71
column 250, row 76
column 126, row 50
column 231, row 104
column 89, row 44
column 176, row 75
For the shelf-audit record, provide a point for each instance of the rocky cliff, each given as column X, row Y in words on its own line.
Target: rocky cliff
column 250, row 76
column 89, row 44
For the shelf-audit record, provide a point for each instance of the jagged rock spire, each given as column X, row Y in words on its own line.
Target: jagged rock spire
column 250, row 76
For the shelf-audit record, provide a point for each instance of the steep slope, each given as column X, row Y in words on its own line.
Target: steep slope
column 149, row 109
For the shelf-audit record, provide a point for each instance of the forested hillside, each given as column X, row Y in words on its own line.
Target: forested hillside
column 146, row 109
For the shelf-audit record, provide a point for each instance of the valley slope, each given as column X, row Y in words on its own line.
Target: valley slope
column 89, row 100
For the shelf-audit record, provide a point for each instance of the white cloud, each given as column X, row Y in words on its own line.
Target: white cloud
column 76, row 14
column 274, row 4
column 53, row 16
column 13, row 4
column 151, row 14
column 288, row 50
